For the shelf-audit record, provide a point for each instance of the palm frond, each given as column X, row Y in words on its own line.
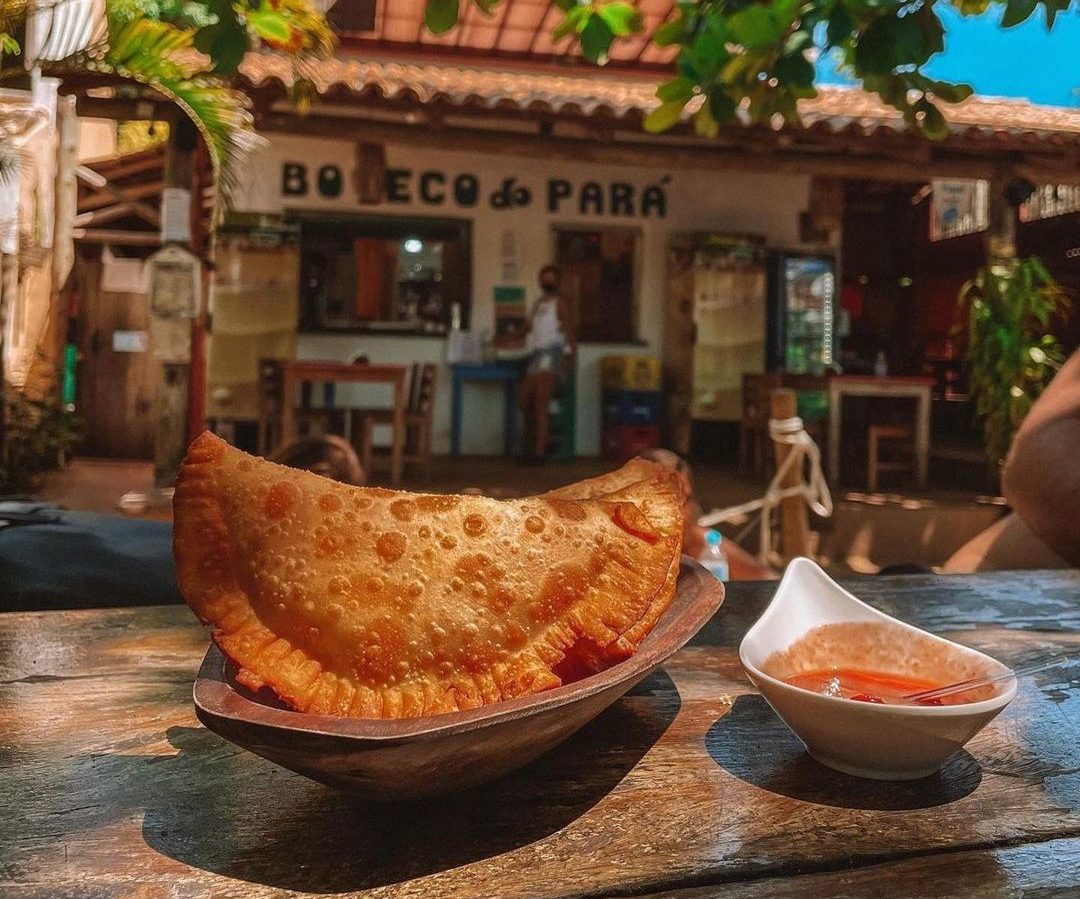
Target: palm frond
column 162, row 56
column 10, row 162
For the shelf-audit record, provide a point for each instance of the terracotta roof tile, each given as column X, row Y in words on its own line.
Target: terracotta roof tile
column 835, row 108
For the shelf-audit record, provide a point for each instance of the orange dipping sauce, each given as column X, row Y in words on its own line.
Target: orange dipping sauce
column 862, row 686
column 874, row 662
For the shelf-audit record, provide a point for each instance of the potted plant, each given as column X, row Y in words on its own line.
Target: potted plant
column 1009, row 309
column 39, row 433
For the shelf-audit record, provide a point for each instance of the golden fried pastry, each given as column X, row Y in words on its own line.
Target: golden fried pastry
column 632, row 472
column 584, row 657
column 378, row 603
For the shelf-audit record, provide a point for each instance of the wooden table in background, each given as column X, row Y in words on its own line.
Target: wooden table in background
column 892, row 386
column 296, row 372
column 689, row 786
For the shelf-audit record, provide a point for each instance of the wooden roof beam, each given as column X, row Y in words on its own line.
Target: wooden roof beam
column 119, row 211
column 108, row 195
column 117, row 237
column 116, row 170
column 880, row 166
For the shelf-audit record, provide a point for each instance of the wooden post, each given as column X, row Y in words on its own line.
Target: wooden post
column 174, row 415
column 9, row 284
column 67, row 193
column 794, row 523
column 1000, row 240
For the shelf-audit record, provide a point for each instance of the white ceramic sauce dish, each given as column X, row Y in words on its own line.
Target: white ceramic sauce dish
column 879, row 741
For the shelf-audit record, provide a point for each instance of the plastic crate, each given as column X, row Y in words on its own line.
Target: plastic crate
column 633, row 407
column 630, row 373
column 622, row 442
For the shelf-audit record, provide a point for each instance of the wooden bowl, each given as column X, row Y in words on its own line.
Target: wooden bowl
column 407, row 758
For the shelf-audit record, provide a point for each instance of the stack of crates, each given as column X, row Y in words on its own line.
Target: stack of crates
column 632, row 405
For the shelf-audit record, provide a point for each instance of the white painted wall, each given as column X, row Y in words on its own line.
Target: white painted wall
column 718, row 201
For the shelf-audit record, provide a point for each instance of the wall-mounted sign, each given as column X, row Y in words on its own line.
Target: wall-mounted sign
column 175, row 215
column 466, row 190
column 175, row 283
column 130, row 341
column 959, row 207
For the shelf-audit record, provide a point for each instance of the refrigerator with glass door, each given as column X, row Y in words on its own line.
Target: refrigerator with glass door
column 801, row 320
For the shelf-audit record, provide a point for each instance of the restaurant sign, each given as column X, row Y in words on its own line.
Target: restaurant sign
column 465, row 190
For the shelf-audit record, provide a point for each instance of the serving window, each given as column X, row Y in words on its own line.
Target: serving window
column 599, row 278
column 386, row 274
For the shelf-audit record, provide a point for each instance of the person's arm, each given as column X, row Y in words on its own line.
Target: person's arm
column 1041, row 478
column 1007, row 544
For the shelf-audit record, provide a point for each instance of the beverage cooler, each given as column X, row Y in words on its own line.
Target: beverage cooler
column 801, row 321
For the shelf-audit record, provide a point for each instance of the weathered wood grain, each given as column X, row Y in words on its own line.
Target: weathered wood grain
column 1048, row 870
column 112, row 789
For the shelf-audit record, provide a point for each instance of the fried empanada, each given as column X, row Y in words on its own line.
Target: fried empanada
column 377, row 603
column 584, row 657
column 593, row 488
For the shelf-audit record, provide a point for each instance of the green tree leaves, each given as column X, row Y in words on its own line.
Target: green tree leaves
column 755, row 27
column 665, row 116
column 1017, row 11
column 597, row 25
column 225, row 41
column 270, row 25
column 441, row 15
column 759, row 55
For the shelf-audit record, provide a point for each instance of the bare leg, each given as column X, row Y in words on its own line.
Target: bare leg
column 544, row 388
column 526, row 399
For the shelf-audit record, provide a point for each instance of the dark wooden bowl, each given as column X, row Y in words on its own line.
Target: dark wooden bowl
column 407, row 758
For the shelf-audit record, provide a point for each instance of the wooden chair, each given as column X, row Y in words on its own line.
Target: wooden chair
column 419, row 415
column 754, row 426
column 270, row 405
column 310, row 420
column 901, row 436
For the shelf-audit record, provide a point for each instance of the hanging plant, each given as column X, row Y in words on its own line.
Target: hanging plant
column 1010, row 307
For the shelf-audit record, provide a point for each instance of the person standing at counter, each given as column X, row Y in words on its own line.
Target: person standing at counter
column 551, row 351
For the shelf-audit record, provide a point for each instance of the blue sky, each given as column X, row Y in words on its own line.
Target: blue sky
column 1025, row 61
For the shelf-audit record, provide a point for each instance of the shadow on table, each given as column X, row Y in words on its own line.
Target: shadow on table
column 753, row 744
column 226, row 811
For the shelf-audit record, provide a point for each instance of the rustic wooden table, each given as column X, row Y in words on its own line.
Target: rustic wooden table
column 296, row 372
column 687, row 787
column 916, row 388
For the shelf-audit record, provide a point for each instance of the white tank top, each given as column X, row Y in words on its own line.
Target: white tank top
column 546, row 333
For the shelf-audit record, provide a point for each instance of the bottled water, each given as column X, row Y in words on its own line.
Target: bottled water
column 713, row 558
